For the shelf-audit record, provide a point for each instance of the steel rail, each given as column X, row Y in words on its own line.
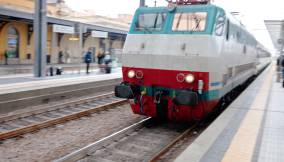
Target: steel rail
column 157, row 156
column 57, row 93
column 86, row 151
column 81, row 153
column 51, row 108
column 59, row 120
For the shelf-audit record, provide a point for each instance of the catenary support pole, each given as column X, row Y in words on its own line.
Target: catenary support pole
column 40, row 29
column 80, row 32
column 142, row 3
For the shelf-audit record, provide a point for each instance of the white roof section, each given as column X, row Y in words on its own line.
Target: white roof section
column 276, row 31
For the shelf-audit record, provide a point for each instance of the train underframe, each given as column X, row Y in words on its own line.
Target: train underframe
column 167, row 108
column 186, row 106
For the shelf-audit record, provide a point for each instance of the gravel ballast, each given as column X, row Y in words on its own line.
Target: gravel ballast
column 54, row 142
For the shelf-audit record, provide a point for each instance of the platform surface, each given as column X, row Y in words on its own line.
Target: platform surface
column 250, row 129
column 26, row 82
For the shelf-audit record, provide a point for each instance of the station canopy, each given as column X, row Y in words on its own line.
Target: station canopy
column 276, row 31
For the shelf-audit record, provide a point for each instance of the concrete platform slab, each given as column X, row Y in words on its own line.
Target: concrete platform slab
column 15, row 96
column 250, row 129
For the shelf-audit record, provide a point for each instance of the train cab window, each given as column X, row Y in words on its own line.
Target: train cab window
column 149, row 22
column 195, row 21
column 220, row 24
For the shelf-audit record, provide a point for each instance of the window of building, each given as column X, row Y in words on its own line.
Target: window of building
column 195, row 21
column 13, row 42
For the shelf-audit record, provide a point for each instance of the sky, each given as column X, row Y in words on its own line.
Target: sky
column 105, row 7
column 252, row 12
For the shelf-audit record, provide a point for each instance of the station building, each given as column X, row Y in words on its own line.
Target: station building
column 69, row 33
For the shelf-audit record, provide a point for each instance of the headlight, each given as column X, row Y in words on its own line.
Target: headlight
column 131, row 74
column 189, row 78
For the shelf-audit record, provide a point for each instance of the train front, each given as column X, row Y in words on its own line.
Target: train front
column 162, row 75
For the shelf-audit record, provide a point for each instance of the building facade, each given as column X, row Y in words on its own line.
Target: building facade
column 16, row 34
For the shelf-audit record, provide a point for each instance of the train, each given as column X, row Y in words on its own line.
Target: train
column 181, row 60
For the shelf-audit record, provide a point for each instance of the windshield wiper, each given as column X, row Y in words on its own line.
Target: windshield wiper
column 156, row 20
column 179, row 18
column 197, row 26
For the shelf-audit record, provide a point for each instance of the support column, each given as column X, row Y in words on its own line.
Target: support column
column 80, row 43
column 110, row 44
column 40, row 32
column 54, row 51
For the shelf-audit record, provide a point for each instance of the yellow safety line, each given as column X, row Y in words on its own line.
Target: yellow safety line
column 243, row 143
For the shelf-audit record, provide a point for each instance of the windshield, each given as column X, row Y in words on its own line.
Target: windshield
column 195, row 21
column 149, row 22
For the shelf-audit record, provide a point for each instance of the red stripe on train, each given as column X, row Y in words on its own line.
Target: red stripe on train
column 166, row 78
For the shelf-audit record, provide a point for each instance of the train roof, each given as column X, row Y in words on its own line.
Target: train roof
column 165, row 9
column 208, row 7
column 190, row 7
column 201, row 7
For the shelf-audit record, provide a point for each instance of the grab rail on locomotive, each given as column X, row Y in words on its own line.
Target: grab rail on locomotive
column 188, row 2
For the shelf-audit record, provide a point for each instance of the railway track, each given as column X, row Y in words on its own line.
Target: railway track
column 142, row 141
column 19, row 124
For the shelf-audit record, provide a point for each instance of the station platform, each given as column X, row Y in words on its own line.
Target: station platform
column 250, row 129
column 17, row 83
column 25, row 69
column 21, row 78
column 20, row 91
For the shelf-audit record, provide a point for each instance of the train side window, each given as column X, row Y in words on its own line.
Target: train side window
column 219, row 27
column 238, row 36
column 228, row 30
column 245, row 49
